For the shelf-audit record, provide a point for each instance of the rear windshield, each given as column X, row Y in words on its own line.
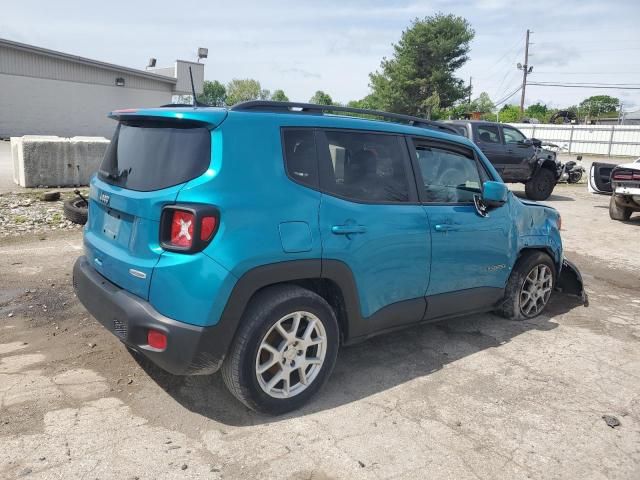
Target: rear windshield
column 147, row 156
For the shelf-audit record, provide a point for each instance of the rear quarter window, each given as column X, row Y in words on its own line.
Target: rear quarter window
column 153, row 156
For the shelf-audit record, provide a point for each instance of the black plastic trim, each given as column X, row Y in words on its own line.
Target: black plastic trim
column 191, row 349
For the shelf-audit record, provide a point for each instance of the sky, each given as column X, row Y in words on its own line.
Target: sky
column 330, row 45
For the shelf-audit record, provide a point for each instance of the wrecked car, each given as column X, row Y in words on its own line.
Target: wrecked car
column 622, row 182
column 257, row 240
column 517, row 159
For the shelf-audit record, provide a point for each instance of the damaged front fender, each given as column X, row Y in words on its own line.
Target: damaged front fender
column 570, row 282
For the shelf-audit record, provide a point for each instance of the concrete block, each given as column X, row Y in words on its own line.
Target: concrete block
column 56, row 161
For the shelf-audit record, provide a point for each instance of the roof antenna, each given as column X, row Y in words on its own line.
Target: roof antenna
column 196, row 103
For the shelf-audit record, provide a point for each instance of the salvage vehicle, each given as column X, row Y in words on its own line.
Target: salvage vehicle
column 622, row 182
column 517, row 158
column 258, row 239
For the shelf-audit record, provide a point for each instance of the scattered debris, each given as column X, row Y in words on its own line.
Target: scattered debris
column 184, row 466
column 10, row 314
column 612, row 421
column 361, row 464
column 51, row 196
column 92, row 345
column 22, row 213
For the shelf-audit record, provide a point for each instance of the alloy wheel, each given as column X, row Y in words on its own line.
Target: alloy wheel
column 536, row 290
column 291, row 354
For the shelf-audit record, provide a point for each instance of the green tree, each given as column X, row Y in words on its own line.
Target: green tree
column 279, row 96
column 599, row 104
column 482, row 104
column 539, row 111
column 244, row 90
column 321, row 98
column 420, row 77
column 509, row 114
column 213, row 93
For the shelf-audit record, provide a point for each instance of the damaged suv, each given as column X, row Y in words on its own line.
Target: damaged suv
column 260, row 238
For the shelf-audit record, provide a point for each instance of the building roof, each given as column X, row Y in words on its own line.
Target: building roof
column 86, row 61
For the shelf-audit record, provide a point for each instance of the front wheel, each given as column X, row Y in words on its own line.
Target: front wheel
column 284, row 352
column 529, row 287
column 541, row 185
column 616, row 212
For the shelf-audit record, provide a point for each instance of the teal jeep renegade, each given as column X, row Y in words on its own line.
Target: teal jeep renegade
column 260, row 238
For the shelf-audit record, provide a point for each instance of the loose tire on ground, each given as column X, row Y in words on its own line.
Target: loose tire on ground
column 240, row 370
column 541, row 185
column 514, row 301
column 616, row 212
column 75, row 210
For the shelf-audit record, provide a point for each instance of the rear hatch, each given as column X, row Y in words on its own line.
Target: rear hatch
column 148, row 162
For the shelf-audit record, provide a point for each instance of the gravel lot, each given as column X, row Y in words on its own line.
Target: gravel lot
column 473, row 398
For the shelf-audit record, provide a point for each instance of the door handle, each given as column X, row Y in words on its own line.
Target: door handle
column 445, row 227
column 348, row 229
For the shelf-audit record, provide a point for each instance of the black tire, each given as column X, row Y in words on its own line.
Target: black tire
column 267, row 308
column 575, row 177
column 616, row 212
column 511, row 306
column 52, row 196
column 75, row 210
column 541, row 185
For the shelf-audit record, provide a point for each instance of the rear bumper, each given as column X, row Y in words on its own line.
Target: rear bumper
column 191, row 350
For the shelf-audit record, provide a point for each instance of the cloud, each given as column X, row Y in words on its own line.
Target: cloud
column 554, row 54
column 333, row 45
column 300, row 71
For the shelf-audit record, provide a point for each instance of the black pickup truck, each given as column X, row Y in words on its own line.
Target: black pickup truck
column 517, row 158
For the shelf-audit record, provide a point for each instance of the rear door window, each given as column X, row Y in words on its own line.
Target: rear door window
column 365, row 167
column 488, row 134
column 152, row 156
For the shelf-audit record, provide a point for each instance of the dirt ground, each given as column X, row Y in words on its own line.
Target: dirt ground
column 473, row 398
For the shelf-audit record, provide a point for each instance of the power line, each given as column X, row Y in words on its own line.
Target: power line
column 635, row 84
column 508, row 96
column 582, row 86
column 588, row 73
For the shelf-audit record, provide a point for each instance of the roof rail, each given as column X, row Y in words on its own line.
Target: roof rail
column 295, row 107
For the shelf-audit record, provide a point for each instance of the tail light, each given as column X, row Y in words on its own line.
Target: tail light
column 628, row 175
column 188, row 228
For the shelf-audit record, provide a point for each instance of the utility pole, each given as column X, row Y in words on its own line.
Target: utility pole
column 525, row 71
column 470, row 78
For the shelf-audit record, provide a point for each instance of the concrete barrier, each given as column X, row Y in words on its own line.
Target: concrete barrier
column 40, row 160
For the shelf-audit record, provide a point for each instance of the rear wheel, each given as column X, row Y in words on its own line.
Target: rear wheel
column 529, row 287
column 284, row 352
column 616, row 212
column 541, row 185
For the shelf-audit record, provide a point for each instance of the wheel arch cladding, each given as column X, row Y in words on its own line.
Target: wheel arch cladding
column 332, row 280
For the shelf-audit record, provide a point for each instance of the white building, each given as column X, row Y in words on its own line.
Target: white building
column 44, row 92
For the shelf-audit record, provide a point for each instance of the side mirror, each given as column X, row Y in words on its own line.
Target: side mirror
column 527, row 142
column 494, row 194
